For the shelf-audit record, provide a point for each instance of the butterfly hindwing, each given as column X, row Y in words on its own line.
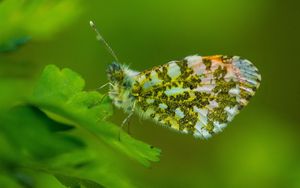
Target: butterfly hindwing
column 197, row 95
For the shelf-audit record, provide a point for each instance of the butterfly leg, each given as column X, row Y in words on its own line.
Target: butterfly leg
column 126, row 120
column 104, row 95
column 102, row 98
column 104, row 85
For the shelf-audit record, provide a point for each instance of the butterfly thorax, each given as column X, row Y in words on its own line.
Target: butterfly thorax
column 121, row 79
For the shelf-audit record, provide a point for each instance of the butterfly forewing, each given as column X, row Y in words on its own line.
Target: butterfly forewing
column 198, row 95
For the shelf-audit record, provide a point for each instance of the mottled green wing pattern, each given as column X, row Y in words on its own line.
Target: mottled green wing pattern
column 198, row 95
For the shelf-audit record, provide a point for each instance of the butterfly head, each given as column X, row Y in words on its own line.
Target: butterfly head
column 115, row 73
column 121, row 79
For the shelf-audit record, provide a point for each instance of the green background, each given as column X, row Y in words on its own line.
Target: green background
column 260, row 148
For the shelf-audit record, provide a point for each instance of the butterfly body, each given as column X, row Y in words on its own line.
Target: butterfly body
column 197, row 95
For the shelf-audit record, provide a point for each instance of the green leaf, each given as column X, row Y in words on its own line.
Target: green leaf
column 74, row 182
column 29, row 145
column 29, row 140
column 95, row 166
column 46, row 137
column 60, row 92
column 7, row 181
column 32, row 134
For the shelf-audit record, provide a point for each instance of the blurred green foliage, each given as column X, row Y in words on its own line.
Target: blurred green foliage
column 21, row 20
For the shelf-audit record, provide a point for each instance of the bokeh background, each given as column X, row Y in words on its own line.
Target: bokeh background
column 260, row 148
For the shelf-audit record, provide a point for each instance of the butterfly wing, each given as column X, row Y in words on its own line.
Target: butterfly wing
column 198, row 95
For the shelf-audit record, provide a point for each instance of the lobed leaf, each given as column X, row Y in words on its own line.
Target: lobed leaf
column 60, row 92
column 31, row 133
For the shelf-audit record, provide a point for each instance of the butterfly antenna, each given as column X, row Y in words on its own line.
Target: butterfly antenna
column 101, row 39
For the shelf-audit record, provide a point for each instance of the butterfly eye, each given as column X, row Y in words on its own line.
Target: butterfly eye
column 114, row 67
column 126, row 84
column 115, row 72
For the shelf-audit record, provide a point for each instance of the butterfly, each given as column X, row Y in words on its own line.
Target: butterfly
column 198, row 95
